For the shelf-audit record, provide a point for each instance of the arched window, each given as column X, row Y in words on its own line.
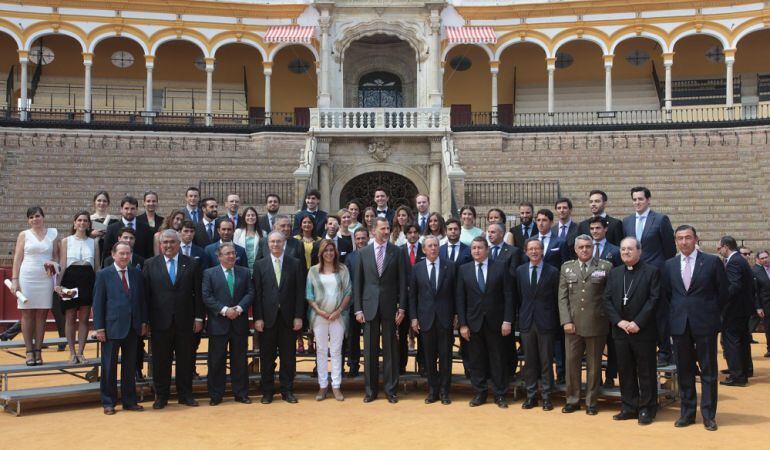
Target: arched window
column 380, row 90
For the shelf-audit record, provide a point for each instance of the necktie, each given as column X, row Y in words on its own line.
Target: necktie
column 526, row 231
column 186, row 250
column 210, row 230
column 640, row 227
column 124, row 280
column 131, row 225
column 270, row 219
column 230, row 281
column 686, row 276
column 767, row 270
column 412, row 256
column 597, row 252
column 433, row 275
column 194, row 215
column 172, row 270
column 422, row 224
column 583, row 269
column 563, row 232
column 380, row 259
column 452, row 254
column 277, row 268
column 495, row 252
column 533, row 279
column 480, row 278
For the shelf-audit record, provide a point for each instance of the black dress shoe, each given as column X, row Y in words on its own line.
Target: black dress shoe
column 289, row 398
column 353, row 372
column 547, row 405
column 645, row 418
column 266, row 399
column 215, row 401
column 561, row 380
column 160, row 403
column 710, row 425
column 570, row 408
column 244, row 400
column 431, row 399
column 734, row 382
column 767, row 355
column 609, row 383
column 501, row 402
column 445, row 400
column 109, row 411
column 625, row 415
column 369, row 398
column 529, row 403
column 140, row 377
column 189, row 402
column 133, row 408
column 392, row 399
column 684, row 422
column 478, row 400
column 591, row 410
column 725, row 371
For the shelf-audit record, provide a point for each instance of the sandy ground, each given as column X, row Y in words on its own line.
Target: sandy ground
column 742, row 415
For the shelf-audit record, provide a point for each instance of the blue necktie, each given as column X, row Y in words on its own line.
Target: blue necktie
column 495, row 252
column 210, row 230
column 172, row 270
column 480, row 277
column 452, row 255
column 640, row 227
column 194, row 215
column 422, row 225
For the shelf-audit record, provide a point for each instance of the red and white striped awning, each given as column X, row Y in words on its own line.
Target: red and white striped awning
column 471, row 35
column 290, row 33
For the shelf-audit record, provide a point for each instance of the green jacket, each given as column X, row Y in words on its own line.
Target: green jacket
column 580, row 297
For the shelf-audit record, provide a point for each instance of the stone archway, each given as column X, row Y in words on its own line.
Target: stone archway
column 402, row 190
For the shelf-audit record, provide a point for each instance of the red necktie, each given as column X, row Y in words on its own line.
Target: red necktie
column 124, row 280
column 412, row 256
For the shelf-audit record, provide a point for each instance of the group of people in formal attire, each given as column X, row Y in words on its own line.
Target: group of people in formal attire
column 564, row 291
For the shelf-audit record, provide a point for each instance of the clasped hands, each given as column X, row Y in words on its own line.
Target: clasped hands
column 400, row 315
column 629, row 327
column 232, row 313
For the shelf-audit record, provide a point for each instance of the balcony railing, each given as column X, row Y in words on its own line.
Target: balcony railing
column 372, row 120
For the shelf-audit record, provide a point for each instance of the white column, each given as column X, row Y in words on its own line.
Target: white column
column 435, row 78
column 608, row 82
column 435, row 184
column 729, row 61
column 87, row 63
column 668, row 62
column 267, row 68
column 324, row 97
column 209, row 90
column 551, row 66
column 494, row 70
column 149, row 63
column 324, row 185
column 23, row 61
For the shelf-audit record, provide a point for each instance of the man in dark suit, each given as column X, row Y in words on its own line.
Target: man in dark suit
column 312, row 201
column 206, row 230
column 432, row 311
column 272, row 205
column 566, row 228
column 762, row 293
column 379, row 292
column 381, row 207
column 291, row 246
column 695, row 286
column 735, row 317
column 453, row 249
column 526, row 229
column 225, row 230
column 279, row 305
column 228, row 294
column 353, row 344
column 344, row 246
column 554, row 248
column 656, row 236
column 172, row 283
column 597, row 201
column 412, row 254
column 538, row 313
column 485, row 309
column 422, row 201
column 120, row 318
column 187, row 235
column 232, row 209
column 630, row 299
column 192, row 210
column 149, row 215
column 143, row 233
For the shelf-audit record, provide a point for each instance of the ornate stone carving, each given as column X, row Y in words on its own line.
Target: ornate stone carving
column 379, row 149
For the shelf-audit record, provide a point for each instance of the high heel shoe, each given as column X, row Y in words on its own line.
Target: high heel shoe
column 81, row 359
column 39, row 359
column 31, row 361
column 74, row 359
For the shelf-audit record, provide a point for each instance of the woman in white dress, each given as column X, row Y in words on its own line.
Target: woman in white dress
column 34, row 272
column 248, row 234
column 76, row 257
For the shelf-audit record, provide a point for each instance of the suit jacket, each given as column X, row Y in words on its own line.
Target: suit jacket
column 264, row 223
column 136, row 261
column 286, row 298
column 657, row 238
column 390, row 214
column 643, row 298
column 611, row 253
column 510, row 256
column 293, row 248
column 180, row 303
column 580, row 296
column 762, row 289
column 430, row 304
column 538, row 305
column 216, row 295
column 211, row 260
column 569, row 238
column 374, row 293
column 419, row 255
column 555, row 254
column 495, row 304
column 199, row 254
column 201, row 238
column 320, row 222
column 615, row 232
column 116, row 311
column 518, row 234
column 158, row 221
column 144, row 239
column 740, row 289
column 344, row 247
column 463, row 253
column 187, row 214
column 701, row 305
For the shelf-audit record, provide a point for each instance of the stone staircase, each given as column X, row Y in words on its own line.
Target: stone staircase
column 587, row 96
column 715, row 180
column 61, row 170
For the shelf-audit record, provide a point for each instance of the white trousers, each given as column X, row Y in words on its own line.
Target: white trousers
column 328, row 340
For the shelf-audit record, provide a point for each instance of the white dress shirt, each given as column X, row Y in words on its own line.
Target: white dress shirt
column 435, row 263
column 693, row 256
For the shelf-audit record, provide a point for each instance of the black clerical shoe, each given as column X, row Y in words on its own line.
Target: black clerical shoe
column 570, row 408
column 478, row 400
column 244, row 400
column 159, row 403
column 734, row 382
column 392, row 399
column 133, row 407
column 109, row 411
column 289, row 397
column 501, row 402
column 592, row 410
column 609, row 383
column 547, row 405
column 353, row 372
column 266, row 399
column 767, row 355
column 684, row 422
column 369, row 398
column 625, row 415
column 189, row 402
column 445, row 400
column 431, row 398
column 645, row 418
column 529, row 403
column 710, row 425
column 725, row 371
column 215, row 401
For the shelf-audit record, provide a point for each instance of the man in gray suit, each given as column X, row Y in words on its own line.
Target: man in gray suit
column 379, row 292
column 227, row 294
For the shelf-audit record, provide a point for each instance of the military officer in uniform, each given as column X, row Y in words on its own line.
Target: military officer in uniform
column 581, row 286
